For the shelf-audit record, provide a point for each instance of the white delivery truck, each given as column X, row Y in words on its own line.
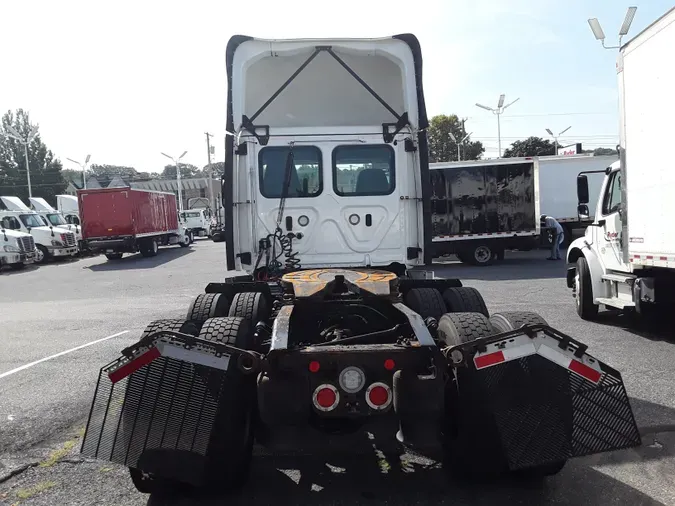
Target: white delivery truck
column 69, row 207
column 557, row 189
column 50, row 241
column 16, row 248
column 626, row 260
column 197, row 221
column 54, row 218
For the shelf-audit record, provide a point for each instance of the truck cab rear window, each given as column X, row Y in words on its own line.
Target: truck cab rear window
column 305, row 171
column 363, row 170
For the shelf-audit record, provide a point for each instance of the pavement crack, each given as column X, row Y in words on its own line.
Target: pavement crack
column 16, row 472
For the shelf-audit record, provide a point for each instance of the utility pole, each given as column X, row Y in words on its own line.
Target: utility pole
column 210, row 171
column 84, row 169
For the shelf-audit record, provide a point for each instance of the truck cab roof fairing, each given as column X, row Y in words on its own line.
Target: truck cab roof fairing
column 385, row 70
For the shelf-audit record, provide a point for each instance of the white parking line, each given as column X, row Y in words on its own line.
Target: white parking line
column 8, row 373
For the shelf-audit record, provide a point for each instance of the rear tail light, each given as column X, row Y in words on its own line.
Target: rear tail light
column 378, row 396
column 314, row 366
column 389, row 364
column 326, row 397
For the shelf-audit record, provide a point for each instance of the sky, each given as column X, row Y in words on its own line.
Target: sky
column 127, row 80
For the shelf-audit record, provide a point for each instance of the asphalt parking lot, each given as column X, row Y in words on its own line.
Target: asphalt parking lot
column 61, row 322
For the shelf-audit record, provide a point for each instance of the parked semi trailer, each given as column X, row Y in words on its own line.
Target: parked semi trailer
column 124, row 220
column 626, row 259
column 337, row 332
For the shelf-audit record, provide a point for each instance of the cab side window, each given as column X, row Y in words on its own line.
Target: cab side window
column 11, row 223
column 612, row 199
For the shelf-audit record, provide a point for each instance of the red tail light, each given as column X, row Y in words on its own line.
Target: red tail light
column 389, row 364
column 314, row 366
column 326, row 397
column 378, row 396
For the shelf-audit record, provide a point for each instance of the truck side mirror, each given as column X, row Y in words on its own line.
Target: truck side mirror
column 582, row 212
column 582, row 189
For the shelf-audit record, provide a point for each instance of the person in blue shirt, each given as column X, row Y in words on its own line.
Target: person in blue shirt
column 558, row 235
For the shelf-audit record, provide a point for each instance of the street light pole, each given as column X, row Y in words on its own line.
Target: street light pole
column 498, row 112
column 176, row 162
column 555, row 138
column 210, row 171
column 84, row 169
column 11, row 132
column 600, row 34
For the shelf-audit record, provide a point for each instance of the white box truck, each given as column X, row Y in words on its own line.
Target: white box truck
column 626, row 259
column 557, row 190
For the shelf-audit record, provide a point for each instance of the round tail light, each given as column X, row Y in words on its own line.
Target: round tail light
column 326, row 397
column 378, row 396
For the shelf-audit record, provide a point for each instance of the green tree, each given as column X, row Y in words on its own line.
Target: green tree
column 186, row 170
column 74, row 175
column 108, row 172
column 532, row 146
column 45, row 169
column 217, row 169
column 604, row 151
column 441, row 146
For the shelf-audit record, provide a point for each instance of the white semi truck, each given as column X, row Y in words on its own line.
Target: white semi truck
column 16, row 248
column 50, row 241
column 626, row 259
column 69, row 207
column 55, row 218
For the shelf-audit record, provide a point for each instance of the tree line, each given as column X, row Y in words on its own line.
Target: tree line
column 49, row 178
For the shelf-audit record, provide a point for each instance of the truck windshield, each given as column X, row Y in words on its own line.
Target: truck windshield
column 31, row 220
column 56, row 219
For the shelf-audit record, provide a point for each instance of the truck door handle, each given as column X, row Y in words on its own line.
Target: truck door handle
column 369, row 220
column 289, row 223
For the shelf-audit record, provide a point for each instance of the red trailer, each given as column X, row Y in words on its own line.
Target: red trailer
column 124, row 220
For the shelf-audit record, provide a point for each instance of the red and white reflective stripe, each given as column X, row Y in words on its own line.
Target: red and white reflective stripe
column 521, row 346
column 543, row 345
column 655, row 260
column 134, row 365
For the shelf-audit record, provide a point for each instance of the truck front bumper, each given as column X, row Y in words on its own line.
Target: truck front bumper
column 17, row 258
column 62, row 251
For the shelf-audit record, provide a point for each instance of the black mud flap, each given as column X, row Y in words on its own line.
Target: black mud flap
column 539, row 398
column 156, row 407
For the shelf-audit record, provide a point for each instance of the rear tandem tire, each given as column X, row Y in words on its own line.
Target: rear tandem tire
column 471, row 443
column 147, row 483
column 465, row 299
column 426, row 302
column 231, row 446
column 253, row 306
column 208, row 305
column 512, row 320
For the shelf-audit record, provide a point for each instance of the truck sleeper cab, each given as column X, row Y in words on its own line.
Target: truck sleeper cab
column 335, row 331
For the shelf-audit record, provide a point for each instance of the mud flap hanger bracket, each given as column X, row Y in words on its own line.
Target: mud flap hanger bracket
column 458, row 354
column 247, row 361
column 248, row 123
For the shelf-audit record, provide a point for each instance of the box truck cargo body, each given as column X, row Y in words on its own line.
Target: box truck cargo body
column 125, row 220
column 557, row 190
column 626, row 259
column 481, row 208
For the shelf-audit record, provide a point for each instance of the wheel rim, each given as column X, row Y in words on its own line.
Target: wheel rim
column 39, row 256
column 154, row 246
column 482, row 254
